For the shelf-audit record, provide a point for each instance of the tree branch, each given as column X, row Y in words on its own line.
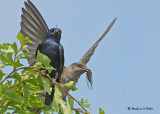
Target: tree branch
column 78, row 110
column 69, row 95
column 8, row 76
column 19, row 83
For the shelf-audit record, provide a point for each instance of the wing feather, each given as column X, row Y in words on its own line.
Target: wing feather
column 33, row 21
column 30, row 25
column 32, row 34
column 38, row 15
column 33, row 26
column 90, row 52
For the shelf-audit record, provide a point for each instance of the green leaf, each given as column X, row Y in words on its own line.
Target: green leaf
column 24, row 48
column 12, row 105
column 14, row 95
column 70, row 85
column 33, row 84
column 1, row 74
column 77, row 112
column 17, row 64
column 33, row 89
column 8, row 113
column 85, row 101
column 101, row 111
column 23, row 111
column 27, row 40
column 47, row 110
column 16, row 76
column 2, row 89
column 6, row 57
column 38, row 65
column 14, row 47
column 57, row 99
column 3, row 110
column 46, row 83
column 33, row 81
column 9, row 82
column 4, row 46
column 40, row 83
column 26, row 91
column 20, row 38
column 69, row 107
column 30, row 71
column 24, row 56
column 49, row 68
column 83, row 104
column 2, row 65
column 35, row 101
column 44, row 60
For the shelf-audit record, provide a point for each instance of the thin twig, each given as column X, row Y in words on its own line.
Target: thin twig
column 15, row 56
column 78, row 110
column 70, row 96
column 19, row 83
column 8, row 76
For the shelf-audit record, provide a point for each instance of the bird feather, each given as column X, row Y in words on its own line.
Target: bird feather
column 90, row 52
column 33, row 26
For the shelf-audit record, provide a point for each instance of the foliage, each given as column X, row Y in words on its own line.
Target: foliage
column 20, row 90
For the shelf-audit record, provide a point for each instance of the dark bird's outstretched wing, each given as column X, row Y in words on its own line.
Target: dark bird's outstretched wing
column 45, row 40
column 34, row 27
column 90, row 52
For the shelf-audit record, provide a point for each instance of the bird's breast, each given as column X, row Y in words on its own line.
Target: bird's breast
column 51, row 49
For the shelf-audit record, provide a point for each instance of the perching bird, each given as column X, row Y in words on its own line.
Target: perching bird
column 75, row 70
column 45, row 40
column 34, row 26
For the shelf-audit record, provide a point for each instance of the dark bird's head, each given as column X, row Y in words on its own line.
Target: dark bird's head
column 55, row 33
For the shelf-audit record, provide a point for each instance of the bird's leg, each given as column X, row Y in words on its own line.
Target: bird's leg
column 53, row 80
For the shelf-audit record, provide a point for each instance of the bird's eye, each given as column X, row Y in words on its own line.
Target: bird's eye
column 80, row 66
column 52, row 31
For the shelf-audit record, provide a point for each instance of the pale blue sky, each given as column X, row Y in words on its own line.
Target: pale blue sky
column 126, row 64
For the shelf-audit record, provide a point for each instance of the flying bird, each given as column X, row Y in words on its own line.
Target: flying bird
column 75, row 70
column 46, row 40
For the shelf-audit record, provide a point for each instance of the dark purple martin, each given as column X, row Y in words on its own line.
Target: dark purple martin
column 46, row 40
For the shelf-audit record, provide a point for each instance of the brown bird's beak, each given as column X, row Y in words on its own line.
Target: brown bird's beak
column 85, row 69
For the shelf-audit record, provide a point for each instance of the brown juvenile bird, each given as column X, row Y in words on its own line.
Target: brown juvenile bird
column 75, row 70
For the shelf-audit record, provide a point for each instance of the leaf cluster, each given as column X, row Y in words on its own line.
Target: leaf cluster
column 21, row 88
